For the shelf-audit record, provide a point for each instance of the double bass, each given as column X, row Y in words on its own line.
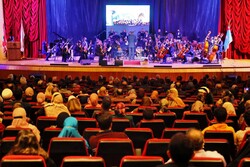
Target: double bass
column 206, row 45
column 215, row 47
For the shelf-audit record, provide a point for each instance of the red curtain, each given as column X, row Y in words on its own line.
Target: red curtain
column 33, row 15
column 236, row 13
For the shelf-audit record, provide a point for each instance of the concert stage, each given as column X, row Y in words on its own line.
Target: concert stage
column 129, row 68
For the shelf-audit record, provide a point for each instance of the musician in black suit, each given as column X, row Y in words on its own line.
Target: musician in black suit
column 65, row 53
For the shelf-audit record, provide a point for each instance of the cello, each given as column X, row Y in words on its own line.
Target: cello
column 206, row 45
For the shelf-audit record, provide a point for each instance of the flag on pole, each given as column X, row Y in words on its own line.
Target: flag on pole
column 228, row 39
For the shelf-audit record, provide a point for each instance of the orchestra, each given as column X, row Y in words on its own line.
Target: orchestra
column 161, row 48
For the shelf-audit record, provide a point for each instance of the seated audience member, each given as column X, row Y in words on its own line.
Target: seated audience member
column 20, row 121
column 163, row 105
column 208, row 96
column 26, row 143
column 147, row 114
column 132, row 96
column 180, row 150
column 220, row 116
column 146, row 101
column 173, row 99
column 29, row 95
column 56, row 106
column 93, row 101
column 105, row 123
column 198, row 105
column 102, row 91
column 228, row 105
column 241, row 120
column 241, row 133
column 48, row 91
column 60, row 119
column 120, row 113
column 73, row 104
column 224, row 93
column 7, row 95
column 106, row 107
column 70, row 126
column 155, row 97
column 40, row 98
column 141, row 93
column 197, row 140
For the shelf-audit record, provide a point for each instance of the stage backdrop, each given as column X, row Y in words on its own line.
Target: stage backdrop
column 77, row 18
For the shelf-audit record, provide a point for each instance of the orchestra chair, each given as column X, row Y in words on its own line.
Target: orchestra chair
column 61, row 147
column 178, row 111
column 168, row 117
column 78, row 114
column 137, row 117
column 244, row 162
column 157, row 126
column 90, row 110
column 12, row 132
column 6, row 145
column 222, row 134
column 144, row 161
column 179, row 123
column 220, row 145
column 23, row 161
column 83, row 161
column 156, row 147
column 47, row 135
column 206, row 162
column 43, row 122
column 200, row 117
column 113, row 149
column 169, row 132
column 7, row 120
column 88, row 132
column 139, row 136
column 86, row 123
column 120, row 124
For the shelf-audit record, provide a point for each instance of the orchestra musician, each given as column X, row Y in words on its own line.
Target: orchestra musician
column 83, row 50
column 65, row 52
column 99, row 50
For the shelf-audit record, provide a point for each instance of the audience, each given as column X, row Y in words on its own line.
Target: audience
column 120, row 113
column 26, row 143
column 241, row 133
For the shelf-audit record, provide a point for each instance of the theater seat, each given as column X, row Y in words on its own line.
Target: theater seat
column 6, row 145
column 113, row 149
column 143, row 161
column 43, row 122
column 186, row 124
column 61, row 147
column 244, row 162
column 157, row 126
column 23, row 161
column 12, row 132
column 200, row 117
column 206, row 162
column 120, row 124
column 86, row 123
column 169, row 132
column 168, row 117
column 82, row 161
column 48, row 134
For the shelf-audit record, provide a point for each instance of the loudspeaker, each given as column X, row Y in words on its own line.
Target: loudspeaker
column 103, row 63
column 57, row 64
column 119, row 63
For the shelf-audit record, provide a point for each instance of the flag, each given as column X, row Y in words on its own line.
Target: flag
column 228, row 39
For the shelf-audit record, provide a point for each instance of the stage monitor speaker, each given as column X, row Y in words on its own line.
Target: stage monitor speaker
column 86, row 62
column 103, row 63
column 119, row 63
column 212, row 65
column 163, row 66
column 58, row 64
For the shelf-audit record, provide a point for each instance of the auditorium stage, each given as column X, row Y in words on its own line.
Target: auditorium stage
column 129, row 68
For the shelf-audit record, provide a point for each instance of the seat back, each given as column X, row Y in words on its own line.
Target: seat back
column 145, row 161
column 244, row 162
column 139, row 136
column 156, row 147
column 220, row 145
column 90, row 110
column 12, row 132
column 43, row 122
column 200, row 117
column 137, row 117
column 88, row 132
column 207, row 162
column 7, row 120
column 82, row 161
column 186, row 124
column 47, row 135
column 120, row 124
column 168, row 118
column 86, row 123
column 178, row 111
column 234, row 118
column 169, row 132
column 113, row 149
column 78, row 114
column 157, row 126
column 66, row 146
column 6, row 145
column 228, row 135
column 23, row 161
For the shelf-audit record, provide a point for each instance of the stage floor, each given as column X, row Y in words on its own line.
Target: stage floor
column 56, row 67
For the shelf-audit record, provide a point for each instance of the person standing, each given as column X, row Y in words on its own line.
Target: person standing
column 131, row 45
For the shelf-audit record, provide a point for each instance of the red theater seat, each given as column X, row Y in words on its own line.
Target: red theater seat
column 143, row 161
column 83, row 161
column 23, row 161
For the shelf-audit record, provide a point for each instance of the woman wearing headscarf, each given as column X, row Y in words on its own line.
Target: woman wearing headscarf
column 70, row 129
column 173, row 99
column 20, row 121
column 56, row 106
